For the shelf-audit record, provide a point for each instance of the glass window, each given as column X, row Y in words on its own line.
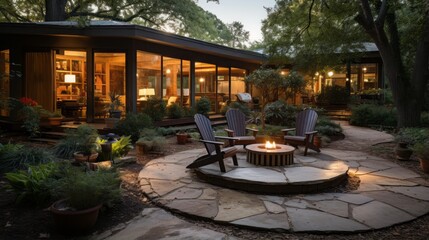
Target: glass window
column 223, row 86
column 109, row 72
column 237, row 81
column 186, row 78
column 205, row 83
column 4, row 82
column 171, row 80
column 148, row 77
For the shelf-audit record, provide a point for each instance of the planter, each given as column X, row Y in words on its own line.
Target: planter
column 115, row 114
column 402, row 151
column 111, row 122
column 182, row 138
column 99, row 165
column 51, row 121
column 140, row 148
column 317, row 141
column 80, row 157
column 71, row 221
column 424, row 164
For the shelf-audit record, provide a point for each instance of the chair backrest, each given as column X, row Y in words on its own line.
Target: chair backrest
column 206, row 131
column 305, row 122
column 236, row 121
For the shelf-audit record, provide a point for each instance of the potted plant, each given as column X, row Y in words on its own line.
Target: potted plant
column 421, row 149
column 51, row 119
column 82, row 194
column 86, row 143
column 182, row 137
column 114, row 107
column 402, row 151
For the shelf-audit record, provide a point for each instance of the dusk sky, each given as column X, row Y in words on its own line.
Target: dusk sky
column 249, row 12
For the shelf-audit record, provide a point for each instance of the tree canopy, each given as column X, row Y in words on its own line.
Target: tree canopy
column 317, row 33
column 182, row 17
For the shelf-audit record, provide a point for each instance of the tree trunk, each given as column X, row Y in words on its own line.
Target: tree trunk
column 55, row 10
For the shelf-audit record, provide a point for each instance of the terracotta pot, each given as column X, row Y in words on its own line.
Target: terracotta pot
column 74, row 222
column 402, row 151
column 140, row 148
column 182, row 138
column 317, row 141
column 424, row 164
column 51, row 121
column 80, row 157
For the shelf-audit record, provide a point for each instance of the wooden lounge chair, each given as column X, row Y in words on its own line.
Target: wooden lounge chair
column 214, row 152
column 304, row 131
column 237, row 128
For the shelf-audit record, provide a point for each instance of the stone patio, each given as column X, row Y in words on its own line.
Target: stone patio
column 388, row 194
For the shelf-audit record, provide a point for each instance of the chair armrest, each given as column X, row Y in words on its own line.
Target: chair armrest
column 227, row 138
column 211, row 142
column 286, row 130
column 311, row 133
column 230, row 132
column 254, row 131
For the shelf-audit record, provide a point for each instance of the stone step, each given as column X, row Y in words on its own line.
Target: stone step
column 53, row 135
column 45, row 140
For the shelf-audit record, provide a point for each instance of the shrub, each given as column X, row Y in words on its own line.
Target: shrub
column 16, row 156
column 203, row 106
column 175, row 111
column 370, row 114
column 156, row 109
column 421, row 149
column 188, row 112
column 31, row 185
column 279, row 113
column 86, row 189
column 243, row 107
column 83, row 139
column 121, row 147
column 132, row 124
column 166, row 131
column 327, row 127
column 412, row 135
column 333, row 95
column 151, row 139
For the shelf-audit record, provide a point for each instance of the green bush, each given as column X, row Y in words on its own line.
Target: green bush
column 370, row 114
column 203, row 106
column 83, row 139
column 132, row 124
column 327, row 127
column 175, row 111
column 121, row 147
column 152, row 140
column 86, row 189
column 188, row 111
column 16, row 156
column 31, row 185
column 243, row 107
column 156, row 109
column 281, row 114
column 412, row 135
column 166, row 131
column 333, row 95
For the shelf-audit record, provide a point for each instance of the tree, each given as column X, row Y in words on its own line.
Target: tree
column 239, row 36
column 183, row 17
column 269, row 83
column 295, row 83
column 314, row 30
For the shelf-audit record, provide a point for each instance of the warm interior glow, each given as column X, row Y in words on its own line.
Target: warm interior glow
column 201, row 79
column 69, row 78
column 269, row 145
column 330, row 73
column 168, row 71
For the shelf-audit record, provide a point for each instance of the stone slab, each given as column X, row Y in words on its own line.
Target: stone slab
column 164, row 171
column 162, row 187
column 273, row 208
column 334, row 207
column 202, row 208
column 379, row 215
column 235, row 205
column 384, row 181
column 277, row 222
column 184, row 193
column 357, row 199
column 307, row 220
column 397, row 172
column 310, row 174
column 419, row 192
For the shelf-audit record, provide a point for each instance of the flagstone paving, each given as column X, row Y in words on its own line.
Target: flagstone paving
column 387, row 195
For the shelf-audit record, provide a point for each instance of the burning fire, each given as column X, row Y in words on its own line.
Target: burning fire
column 269, row 145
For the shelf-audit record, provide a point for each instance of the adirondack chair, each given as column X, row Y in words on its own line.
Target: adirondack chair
column 304, row 131
column 214, row 152
column 237, row 128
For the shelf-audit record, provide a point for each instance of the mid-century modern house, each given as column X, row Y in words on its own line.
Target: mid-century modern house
column 64, row 66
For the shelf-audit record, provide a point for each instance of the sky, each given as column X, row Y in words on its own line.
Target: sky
column 249, row 12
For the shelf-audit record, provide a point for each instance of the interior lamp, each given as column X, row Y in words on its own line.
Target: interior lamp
column 144, row 92
column 69, row 78
column 330, row 73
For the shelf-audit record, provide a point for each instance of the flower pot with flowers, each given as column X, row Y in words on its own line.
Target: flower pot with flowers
column 402, row 151
column 26, row 111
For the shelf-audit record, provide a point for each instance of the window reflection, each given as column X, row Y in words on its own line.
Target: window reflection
column 148, row 77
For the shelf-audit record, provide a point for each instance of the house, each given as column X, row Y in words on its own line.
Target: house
column 73, row 68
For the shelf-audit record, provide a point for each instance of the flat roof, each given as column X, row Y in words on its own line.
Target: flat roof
column 127, row 30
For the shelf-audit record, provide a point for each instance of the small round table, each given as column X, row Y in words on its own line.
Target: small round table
column 282, row 155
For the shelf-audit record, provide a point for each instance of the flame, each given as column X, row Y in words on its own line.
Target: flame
column 269, row 145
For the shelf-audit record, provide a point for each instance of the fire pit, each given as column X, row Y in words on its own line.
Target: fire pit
column 270, row 154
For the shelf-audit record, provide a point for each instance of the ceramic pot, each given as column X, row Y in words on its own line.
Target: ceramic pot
column 80, row 157
column 73, row 221
column 402, row 151
column 424, row 164
column 182, row 138
column 317, row 141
